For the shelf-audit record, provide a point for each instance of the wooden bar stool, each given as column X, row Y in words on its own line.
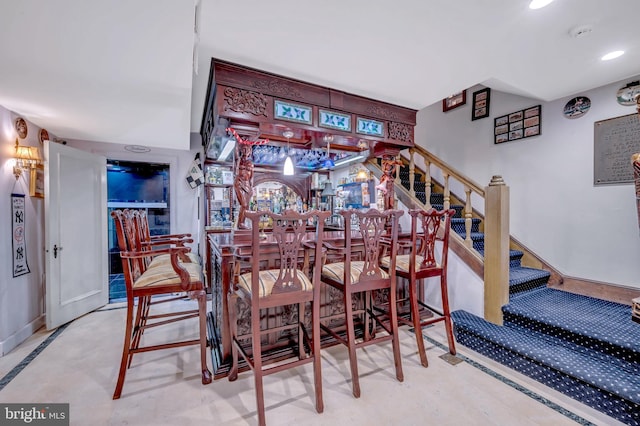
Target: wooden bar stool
column 150, row 272
column 427, row 227
column 349, row 276
column 282, row 282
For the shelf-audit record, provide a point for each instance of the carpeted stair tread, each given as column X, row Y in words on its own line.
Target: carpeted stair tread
column 607, row 372
column 598, row 324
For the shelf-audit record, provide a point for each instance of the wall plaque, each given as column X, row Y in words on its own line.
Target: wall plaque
column 614, row 142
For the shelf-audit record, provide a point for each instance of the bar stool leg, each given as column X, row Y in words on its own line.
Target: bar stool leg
column 415, row 315
column 257, row 367
column 447, row 314
column 202, row 309
column 125, row 350
column 301, row 314
column 233, row 328
column 317, row 365
column 351, row 343
column 393, row 317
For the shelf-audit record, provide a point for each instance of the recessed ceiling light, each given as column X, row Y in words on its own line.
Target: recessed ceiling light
column 612, row 55
column 538, row 4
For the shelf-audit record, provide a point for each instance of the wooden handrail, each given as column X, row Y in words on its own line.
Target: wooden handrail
column 450, row 170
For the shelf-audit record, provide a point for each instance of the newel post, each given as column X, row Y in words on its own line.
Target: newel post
column 496, row 249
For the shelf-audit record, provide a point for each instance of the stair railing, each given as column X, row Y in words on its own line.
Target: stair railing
column 468, row 186
column 492, row 206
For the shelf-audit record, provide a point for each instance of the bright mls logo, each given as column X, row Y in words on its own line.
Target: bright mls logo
column 34, row 414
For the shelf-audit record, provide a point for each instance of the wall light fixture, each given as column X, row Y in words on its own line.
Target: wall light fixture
column 27, row 157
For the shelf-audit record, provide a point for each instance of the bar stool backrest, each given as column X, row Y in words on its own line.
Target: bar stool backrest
column 427, row 227
column 375, row 228
column 289, row 230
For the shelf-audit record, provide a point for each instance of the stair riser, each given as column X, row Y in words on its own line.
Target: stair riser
column 459, row 226
column 592, row 344
column 528, row 286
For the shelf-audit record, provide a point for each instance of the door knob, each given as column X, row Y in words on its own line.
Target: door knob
column 55, row 251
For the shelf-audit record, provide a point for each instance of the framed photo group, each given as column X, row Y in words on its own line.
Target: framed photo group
column 481, row 100
column 518, row 125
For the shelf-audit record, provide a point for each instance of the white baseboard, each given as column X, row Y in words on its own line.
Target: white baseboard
column 20, row 336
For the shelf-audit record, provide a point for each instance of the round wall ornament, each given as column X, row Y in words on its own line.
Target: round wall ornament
column 43, row 135
column 627, row 95
column 577, row 107
column 21, row 127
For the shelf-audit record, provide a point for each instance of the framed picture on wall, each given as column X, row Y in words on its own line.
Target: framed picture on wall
column 454, row 101
column 481, row 100
column 518, row 125
column 36, row 182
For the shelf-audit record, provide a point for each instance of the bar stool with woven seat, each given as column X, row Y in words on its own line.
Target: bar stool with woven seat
column 372, row 229
column 145, row 242
column 172, row 276
column 427, row 227
column 282, row 281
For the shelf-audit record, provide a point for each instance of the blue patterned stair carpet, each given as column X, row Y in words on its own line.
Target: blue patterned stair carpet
column 585, row 348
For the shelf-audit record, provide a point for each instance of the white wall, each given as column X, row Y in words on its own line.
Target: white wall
column 582, row 230
column 21, row 298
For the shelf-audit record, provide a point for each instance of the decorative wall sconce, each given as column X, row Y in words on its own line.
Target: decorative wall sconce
column 27, row 157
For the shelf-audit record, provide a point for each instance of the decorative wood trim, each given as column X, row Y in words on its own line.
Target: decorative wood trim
column 269, row 84
column 245, row 101
column 400, row 131
column 371, row 108
column 245, row 95
column 277, row 88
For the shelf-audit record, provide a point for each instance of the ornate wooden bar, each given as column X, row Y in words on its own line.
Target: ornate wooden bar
column 247, row 100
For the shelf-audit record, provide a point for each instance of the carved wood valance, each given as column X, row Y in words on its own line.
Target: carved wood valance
column 263, row 104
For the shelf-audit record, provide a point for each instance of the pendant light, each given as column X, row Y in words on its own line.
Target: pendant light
column 288, row 163
column 328, row 163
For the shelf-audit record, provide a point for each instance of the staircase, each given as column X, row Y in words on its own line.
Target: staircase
column 586, row 348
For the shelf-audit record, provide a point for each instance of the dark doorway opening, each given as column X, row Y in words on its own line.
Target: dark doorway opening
column 135, row 185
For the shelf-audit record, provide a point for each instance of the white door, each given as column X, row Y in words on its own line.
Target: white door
column 75, row 233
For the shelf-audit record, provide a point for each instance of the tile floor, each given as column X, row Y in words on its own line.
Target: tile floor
column 80, row 363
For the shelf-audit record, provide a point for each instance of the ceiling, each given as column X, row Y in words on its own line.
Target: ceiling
column 122, row 71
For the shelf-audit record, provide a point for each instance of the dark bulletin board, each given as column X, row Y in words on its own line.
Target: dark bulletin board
column 614, row 141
